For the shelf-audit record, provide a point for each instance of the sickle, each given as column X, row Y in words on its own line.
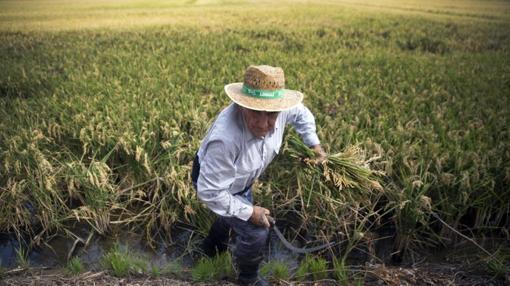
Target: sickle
column 292, row 247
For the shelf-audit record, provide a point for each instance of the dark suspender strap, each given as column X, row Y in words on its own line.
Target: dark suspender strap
column 195, row 170
column 243, row 192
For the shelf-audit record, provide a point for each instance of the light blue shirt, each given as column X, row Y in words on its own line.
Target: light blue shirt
column 232, row 158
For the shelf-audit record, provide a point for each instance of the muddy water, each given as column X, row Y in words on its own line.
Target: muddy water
column 182, row 248
column 8, row 247
column 442, row 266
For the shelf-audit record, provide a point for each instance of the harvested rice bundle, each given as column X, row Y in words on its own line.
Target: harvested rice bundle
column 335, row 200
column 346, row 170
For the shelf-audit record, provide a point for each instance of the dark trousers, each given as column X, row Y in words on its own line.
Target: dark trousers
column 250, row 238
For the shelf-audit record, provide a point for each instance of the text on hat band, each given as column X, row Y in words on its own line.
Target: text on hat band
column 261, row 93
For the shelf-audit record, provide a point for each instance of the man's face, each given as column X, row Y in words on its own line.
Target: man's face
column 259, row 122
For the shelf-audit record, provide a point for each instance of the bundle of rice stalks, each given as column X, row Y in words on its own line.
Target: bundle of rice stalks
column 328, row 199
column 346, row 170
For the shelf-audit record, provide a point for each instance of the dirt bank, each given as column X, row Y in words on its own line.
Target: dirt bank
column 377, row 274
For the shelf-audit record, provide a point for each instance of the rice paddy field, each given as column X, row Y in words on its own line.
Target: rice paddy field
column 103, row 105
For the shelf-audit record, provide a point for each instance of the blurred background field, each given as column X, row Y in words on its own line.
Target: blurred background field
column 77, row 15
column 104, row 103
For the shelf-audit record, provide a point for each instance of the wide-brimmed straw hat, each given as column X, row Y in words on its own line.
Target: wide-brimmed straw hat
column 263, row 89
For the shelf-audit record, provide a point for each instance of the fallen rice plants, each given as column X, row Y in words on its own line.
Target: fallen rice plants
column 100, row 119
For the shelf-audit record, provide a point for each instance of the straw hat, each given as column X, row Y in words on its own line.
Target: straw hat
column 263, row 89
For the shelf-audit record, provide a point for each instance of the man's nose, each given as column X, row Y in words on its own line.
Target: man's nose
column 262, row 120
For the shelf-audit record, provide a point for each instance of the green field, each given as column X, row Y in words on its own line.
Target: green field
column 98, row 98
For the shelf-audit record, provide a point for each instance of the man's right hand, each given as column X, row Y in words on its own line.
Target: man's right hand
column 258, row 217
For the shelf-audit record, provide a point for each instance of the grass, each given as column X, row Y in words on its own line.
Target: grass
column 155, row 271
column 103, row 105
column 172, row 268
column 312, row 268
column 340, row 271
column 204, row 270
column 274, row 269
column 224, row 265
column 499, row 263
column 2, row 270
column 122, row 263
column 75, row 266
column 117, row 261
column 208, row 269
column 22, row 257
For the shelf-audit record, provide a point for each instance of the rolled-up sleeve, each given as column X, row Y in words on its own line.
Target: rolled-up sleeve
column 217, row 173
column 304, row 122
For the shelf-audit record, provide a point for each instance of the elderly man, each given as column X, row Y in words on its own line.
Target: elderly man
column 238, row 147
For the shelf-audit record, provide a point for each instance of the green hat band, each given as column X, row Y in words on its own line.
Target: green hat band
column 261, row 93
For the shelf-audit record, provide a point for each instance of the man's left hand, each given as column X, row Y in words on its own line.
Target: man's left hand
column 320, row 154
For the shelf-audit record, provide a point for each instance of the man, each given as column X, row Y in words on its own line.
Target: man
column 238, row 147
